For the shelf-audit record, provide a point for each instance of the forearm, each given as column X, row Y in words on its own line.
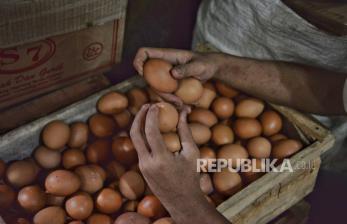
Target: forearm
column 302, row 87
column 194, row 209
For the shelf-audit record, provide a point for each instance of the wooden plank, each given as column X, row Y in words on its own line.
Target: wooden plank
column 46, row 104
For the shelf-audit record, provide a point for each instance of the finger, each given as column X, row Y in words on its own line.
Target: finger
column 153, row 135
column 189, row 147
column 173, row 56
column 192, row 69
column 136, row 133
column 171, row 98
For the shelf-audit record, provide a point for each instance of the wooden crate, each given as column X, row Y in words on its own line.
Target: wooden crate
column 259, row 202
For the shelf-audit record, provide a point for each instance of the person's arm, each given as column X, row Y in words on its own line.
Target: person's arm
column 305, row 88
column 173, row 178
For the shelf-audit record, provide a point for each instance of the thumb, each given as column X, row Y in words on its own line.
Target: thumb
column 187, row 70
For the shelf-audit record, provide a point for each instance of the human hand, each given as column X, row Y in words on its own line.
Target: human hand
column 186, row 63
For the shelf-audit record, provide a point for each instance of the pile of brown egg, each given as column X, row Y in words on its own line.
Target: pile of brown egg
column 88, row 172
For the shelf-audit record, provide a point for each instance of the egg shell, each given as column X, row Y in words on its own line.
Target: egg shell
column 206, row 184
column 78, row 135
column 207, row 97
column 233, row 152
column 101, row 125
column 90, row 178
column 225, row 89
column 153, row 96
column 246, row 128
column 76, row 222
column 115, row 170
column 112, row 103
column 259, row 147
column 53, row 200
column 201, row 133
column 203, row 116
column 222, row 134
column 47, row 158
column 62, row 183
column 165, row 220
column 56, row 134
column 130, row 206
column 189, row 90
column 172, row 141
column 276, row 137
column 168, row 117
column 98, row 218
column 271, row 122
column 7, row 196
column 206, row 153
column 108, row 201
column 249, row 107
column 99, row 151
column 157, row 74
column 223, row 107
column 31, row 198
column 137, row 97
column 251, row 176
column 50, row 215
column 79, row 206
column 132, row 185
column 123, row 119
column 285, row 148
column 227, row 182
column 132, row 218
column 124, row 151
column 151, row 207
column 99, row 170
column 73, row 158
column 21, row 173
column 2, row 169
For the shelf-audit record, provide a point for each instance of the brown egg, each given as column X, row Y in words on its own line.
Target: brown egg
column 99, row 170
column 203, row 116
column 223, row 107
column 153, row 96
column 165, row 220
column 222, row 134
column 172, row 141
column 53, row 200
column 250, row 176
column 168, row 117
column 206, row 153
column 233, row 152
column 91, row 180
column 246, row 128
column 130, row 206
column 123, row 119
column 98, row 218
column 108, row 201
column 132, row 185
column 62, row 183
column 79, row 206
column 50, row 215
column 31, row 198
column 7, row 196
column 2, row 169
column 271, row 122
column 151, row 207
column 157, row 74
column 112, row 103
column 115, row 170
column 276, row 137
column 56, row 134
column 207, row 97
column 47, row 158
column 101, row 125
column 21, row 173
column 249, row 107
column 189, row 90
column 137, row 97
column 227, row 182
column 79, row 135
column 259, row 147
column 132, row 218
column 206, row 184
column 22, row 221
column 124, row 151
column 201, row 133
column 285, row 148
column 76, row 222
column 226, row 90
column 73, row 158
column 99, row 151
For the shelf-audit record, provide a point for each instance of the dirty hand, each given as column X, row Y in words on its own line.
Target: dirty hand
column 202, row 66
